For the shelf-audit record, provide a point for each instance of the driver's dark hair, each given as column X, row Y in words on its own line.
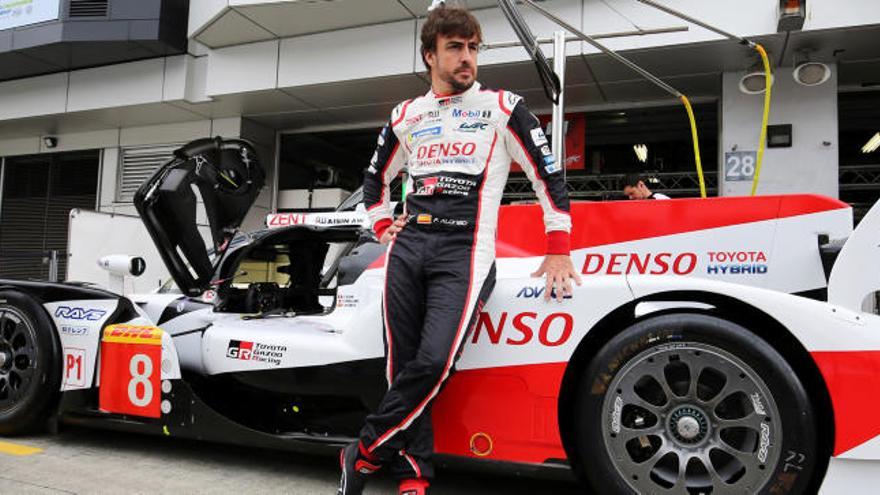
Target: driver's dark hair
column 448, row 21
column 632, row 180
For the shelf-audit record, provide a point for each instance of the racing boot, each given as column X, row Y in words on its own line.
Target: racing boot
column 356, row 466
column 413, row 486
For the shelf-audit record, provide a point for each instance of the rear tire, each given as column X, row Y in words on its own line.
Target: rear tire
column 691, row 403
column 30, row 364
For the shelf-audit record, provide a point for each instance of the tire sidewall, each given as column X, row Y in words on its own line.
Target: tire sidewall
column 799, row 450
column 43, row 390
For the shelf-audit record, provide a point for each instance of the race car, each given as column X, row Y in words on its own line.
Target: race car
column 684, row 363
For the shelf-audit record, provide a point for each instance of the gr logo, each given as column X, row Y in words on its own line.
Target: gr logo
column 240, row 349
column 77, row 313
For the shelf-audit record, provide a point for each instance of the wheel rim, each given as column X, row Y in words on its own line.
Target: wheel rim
column 18, row 360
column 691, row 418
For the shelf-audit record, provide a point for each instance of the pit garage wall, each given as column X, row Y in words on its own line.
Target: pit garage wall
column 810, row 165
column 110, row 142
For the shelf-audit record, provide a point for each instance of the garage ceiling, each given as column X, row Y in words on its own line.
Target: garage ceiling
column 245, row 21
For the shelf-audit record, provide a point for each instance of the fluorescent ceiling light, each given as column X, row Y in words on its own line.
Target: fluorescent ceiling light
column 641, row 152
column 872, row 144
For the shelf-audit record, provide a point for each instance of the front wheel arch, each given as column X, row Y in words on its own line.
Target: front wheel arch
column 755, row 320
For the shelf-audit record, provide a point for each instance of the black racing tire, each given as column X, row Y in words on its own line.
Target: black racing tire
column 30, row 376
column 645, row 425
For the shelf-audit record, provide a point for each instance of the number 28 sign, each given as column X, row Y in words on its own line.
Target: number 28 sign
column 131, row 364
column 740, row 165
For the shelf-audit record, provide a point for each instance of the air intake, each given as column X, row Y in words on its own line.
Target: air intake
column 88, row 8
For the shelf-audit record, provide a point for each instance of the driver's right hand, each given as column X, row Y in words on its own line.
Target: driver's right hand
column 393, row 229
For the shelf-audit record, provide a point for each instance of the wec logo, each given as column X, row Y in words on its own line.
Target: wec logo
column 473, row 126
column 79, row 313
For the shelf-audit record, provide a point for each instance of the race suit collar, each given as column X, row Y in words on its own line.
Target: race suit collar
column 475, row 88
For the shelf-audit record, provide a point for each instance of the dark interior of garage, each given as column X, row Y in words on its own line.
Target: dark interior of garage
column 595, row 169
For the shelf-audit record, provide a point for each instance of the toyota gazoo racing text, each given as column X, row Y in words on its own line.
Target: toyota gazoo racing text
column 711, row 348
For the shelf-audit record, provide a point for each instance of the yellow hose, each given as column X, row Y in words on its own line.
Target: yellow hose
column 768, row 79
column 690, row 111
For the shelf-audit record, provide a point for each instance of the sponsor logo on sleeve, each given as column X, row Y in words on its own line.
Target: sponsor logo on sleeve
column 545, row 150
column 254, row 351
column 538, row 136
column 550, row 165
column 512, row 100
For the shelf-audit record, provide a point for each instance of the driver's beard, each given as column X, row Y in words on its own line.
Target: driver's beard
column 458, row 87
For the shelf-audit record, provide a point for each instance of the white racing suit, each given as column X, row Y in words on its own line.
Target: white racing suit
column 440, row 268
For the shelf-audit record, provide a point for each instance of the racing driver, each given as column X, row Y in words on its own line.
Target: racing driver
column 457, row 143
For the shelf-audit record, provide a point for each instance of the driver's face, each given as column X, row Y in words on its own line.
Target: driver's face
column 640, row 191
column 455, row 61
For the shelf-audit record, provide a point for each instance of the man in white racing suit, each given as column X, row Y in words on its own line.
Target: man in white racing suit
column 457, row 143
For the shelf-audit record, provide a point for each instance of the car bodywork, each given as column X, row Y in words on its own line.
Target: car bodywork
column 297, row 365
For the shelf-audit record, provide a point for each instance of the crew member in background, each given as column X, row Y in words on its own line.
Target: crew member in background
column 457, row 142
column 634, row 188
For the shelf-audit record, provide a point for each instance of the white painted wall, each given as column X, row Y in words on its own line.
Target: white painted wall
column 809, row 166
column 113, row 86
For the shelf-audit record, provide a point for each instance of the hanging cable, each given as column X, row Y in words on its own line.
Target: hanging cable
column 647, row 75
column 768, row 76
column 696, row 140
column 762, row 140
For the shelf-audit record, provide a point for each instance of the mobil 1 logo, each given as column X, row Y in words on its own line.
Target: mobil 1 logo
column 740, row 165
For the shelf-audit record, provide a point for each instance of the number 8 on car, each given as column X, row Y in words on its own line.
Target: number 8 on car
column 131, row 358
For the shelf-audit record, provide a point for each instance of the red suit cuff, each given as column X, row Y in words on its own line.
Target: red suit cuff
column 381, row 226
column 558, row 242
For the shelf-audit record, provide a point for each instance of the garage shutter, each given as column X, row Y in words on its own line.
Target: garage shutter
column 137, row 164
column 38, row 193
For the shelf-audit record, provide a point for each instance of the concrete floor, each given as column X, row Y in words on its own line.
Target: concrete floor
column 84, row 461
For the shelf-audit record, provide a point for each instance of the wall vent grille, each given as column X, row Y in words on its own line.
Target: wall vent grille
column 88, row 8
column 138, row 163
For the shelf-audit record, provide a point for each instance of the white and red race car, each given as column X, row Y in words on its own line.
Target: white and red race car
column 657, row 376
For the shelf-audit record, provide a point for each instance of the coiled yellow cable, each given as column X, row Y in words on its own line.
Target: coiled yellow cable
column 768, row 80
column 696, row 139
